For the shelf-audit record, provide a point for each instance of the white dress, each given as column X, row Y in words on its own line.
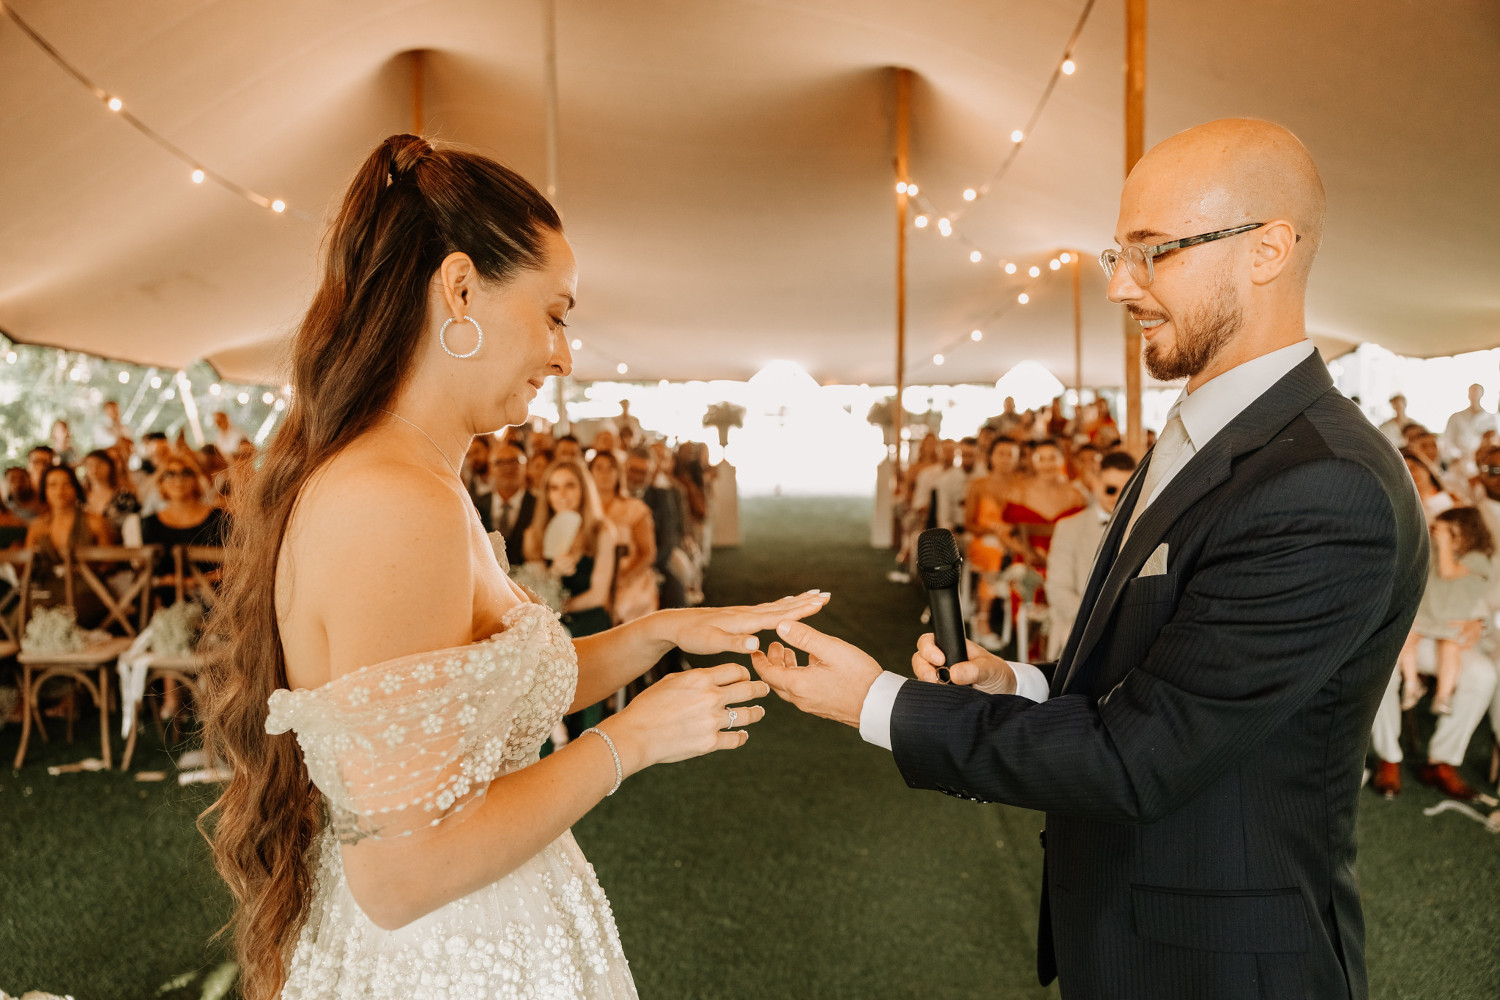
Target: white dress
column 401, row 746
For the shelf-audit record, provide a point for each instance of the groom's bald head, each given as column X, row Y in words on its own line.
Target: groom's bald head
column 1225, row 173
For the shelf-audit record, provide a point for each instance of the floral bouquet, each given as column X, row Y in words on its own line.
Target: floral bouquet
column 55, row 630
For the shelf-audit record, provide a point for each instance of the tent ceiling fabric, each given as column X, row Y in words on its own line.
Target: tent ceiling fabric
column 725, row 167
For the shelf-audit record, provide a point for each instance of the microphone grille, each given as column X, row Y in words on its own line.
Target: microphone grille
column 938, row 560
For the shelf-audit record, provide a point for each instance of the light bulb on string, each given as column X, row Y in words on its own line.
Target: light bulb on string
column 577, row 344
column 970, row 194
column 124, row 378
column 945, row 227
column 976, row 335
column 911, row 189
column 1034, row 271
column 1054, row 264
column 622, row 368
column 1010, row 267
column 280, row 405
column 1066, row 258
column 1023, row 298
column 268, row 398
column 1017, row 136
column 900, row 187
column 215, row 389
column 198, row 176
column 156, row 381
column 115, row 104
column 1069, row 67
column 278, row 206
column 920, row 222
column 976, row 256
column 243, row 398
column 10, row 357
column 937, row 359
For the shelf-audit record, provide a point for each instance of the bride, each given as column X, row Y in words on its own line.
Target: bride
column 389, row 830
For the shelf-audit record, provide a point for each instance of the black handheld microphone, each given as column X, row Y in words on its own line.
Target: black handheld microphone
column 940, row 566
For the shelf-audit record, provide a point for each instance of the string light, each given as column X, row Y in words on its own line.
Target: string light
column 156, row 381
column 622, row 368
column 976, row 335
column 937, row 359
column 1034, row 271
column 117, row 105
column 911, row 189
column 268, row 398
column 1054, row 264
column 10, row 357
column 577, row 344
column 900, row 187
column 970, row 194
column 1065, row 257
column 124, row 378
column 1069, row 67
column 243, row 398
column 1010, row 268
column 1023, row 298
column 280, row 405
column 976, row 256
column 1018, row 137
column 945, row 226
column 920, row 222
column 215, row 389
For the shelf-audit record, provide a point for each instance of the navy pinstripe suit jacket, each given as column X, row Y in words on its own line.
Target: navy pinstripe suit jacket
column 1199, row 760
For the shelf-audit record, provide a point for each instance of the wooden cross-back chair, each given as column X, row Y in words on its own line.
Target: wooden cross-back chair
column 193, row 581
column 19, row 561
column 89, row 668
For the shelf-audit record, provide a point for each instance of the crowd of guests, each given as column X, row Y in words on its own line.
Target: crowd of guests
column 1030, row 494
column 1027, row 497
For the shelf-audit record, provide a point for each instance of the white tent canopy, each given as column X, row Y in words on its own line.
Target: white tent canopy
column 726, row 168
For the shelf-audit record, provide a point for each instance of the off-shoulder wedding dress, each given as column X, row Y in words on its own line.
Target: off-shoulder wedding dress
column 401, row 746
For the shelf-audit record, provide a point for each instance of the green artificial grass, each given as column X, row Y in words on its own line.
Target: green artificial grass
column 797, row 867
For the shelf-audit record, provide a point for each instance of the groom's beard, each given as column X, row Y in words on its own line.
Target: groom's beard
column 1201, row 335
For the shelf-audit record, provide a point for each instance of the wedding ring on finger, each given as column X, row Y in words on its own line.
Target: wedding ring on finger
column 734, row 719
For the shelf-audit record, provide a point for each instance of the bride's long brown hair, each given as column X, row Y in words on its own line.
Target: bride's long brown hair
column 409, row 206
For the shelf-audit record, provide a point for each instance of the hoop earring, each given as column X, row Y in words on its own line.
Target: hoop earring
column 443, row 333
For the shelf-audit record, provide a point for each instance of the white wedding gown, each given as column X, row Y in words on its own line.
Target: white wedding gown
column 402, row 746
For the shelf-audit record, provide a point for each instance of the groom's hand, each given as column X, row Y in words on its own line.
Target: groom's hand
column 834, row 682
column 983, row 669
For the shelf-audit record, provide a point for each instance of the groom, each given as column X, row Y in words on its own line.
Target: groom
column 1198, row 747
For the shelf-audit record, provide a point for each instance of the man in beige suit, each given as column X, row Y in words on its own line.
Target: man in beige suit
column 1074, row 542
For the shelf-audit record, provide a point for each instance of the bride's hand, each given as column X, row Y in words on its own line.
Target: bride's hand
column 708, row 631
column 686, row 715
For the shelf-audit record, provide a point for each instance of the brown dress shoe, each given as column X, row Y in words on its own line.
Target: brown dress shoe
column 1446, row 780
column 1387, row 780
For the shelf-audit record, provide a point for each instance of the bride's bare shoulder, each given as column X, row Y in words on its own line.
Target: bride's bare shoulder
column 376, row 560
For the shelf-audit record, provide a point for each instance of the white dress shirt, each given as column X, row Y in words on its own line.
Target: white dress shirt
column 503, row 513
column 1205, row 412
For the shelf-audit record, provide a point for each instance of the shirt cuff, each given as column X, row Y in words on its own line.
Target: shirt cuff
column 1031, row 683
column 875, row 713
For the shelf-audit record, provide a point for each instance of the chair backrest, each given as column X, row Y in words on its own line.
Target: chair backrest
column 13, row 601
column 192, row 579
column 128, row 603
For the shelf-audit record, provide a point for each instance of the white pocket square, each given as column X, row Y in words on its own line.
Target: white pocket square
column 1157, row 564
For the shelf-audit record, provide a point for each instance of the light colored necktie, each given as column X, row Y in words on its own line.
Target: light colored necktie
column 1163, row 458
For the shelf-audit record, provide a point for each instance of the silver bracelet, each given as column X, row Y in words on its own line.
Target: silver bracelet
column 619, row 771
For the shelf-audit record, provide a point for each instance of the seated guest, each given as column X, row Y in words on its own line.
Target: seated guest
column 635, row 580
column 1435, row 499
column 184, row 518
column 1075, row 540
column 664, row 501
column 38, row 461
column 475, row 470
column 586, row 567
column 215, row 469
column 62, row 443
column 21, row 497
column 510, row 506
column 64, row 527
column 567, row 448
column 110, row 493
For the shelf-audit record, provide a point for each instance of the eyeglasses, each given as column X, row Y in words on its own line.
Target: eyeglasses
column 1490, row 470
column 1138, row 257
column 177, row 474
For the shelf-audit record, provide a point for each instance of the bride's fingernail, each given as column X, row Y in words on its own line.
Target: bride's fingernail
column 752, row 643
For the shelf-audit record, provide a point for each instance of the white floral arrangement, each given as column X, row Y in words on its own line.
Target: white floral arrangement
column 55, row 630
column 175, row 630
column 542, row 585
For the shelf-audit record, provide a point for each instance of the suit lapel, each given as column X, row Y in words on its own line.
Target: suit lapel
column 1248, row 431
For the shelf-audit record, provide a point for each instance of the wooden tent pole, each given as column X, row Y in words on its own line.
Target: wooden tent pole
column 903, row 142
column 1078, row 328
column 1135, row 146
column 418, row 94
column 549, row 34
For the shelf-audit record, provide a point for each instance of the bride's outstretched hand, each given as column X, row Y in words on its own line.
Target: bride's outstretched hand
column 707, row 631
